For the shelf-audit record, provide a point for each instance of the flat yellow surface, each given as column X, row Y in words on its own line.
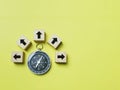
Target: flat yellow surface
column 89, row 29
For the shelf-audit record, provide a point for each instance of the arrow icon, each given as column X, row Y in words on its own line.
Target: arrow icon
column 39, row 34
column 16, row 56
column 23, row 42
column 61, row 56
column 54, row 40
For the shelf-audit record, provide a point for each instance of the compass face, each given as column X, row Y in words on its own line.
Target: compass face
column 39, row 62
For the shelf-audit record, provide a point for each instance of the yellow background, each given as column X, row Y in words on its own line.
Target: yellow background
column 89, row 29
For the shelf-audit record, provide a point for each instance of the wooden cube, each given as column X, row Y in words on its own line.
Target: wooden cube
column 39, row 35
column 61, row 57
column 23, row 42
column 54, row 41
column 17, row 57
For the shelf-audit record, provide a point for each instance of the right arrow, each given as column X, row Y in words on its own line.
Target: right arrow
column 23, row 42
column 39, row 34
column 61, row 56
column 16, row 56
column 54, row 40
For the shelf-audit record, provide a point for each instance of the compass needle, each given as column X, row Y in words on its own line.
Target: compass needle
column 38, row 62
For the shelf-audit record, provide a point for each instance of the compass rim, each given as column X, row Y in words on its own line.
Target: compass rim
column 47, row 68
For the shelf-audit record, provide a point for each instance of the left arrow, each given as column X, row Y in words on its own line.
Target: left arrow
column 39, row 34
column 22, row 42
column 16, row 56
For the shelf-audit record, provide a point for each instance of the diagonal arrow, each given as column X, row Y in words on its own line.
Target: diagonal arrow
column 39, row 34
column 61, row 56
column 54, row 40
column 16, row 56
column 22, row 41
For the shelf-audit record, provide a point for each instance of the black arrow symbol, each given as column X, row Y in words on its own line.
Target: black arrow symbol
column 39, row 34
column 16, row 56
column 23, row 42
column 54, row 40
column 61, row 56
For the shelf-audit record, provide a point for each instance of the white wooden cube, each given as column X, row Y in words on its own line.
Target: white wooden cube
column 39, row 35
column 23, row 42
column 17, row 57
column 61, row 57
column 54, row 41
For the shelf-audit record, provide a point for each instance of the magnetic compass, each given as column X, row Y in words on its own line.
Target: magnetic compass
column 39, row 62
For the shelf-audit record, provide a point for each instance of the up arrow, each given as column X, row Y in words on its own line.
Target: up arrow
column 22, row 41
column 54, row 40
column 61, row 56
column 16, row 56
column 39, row 34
